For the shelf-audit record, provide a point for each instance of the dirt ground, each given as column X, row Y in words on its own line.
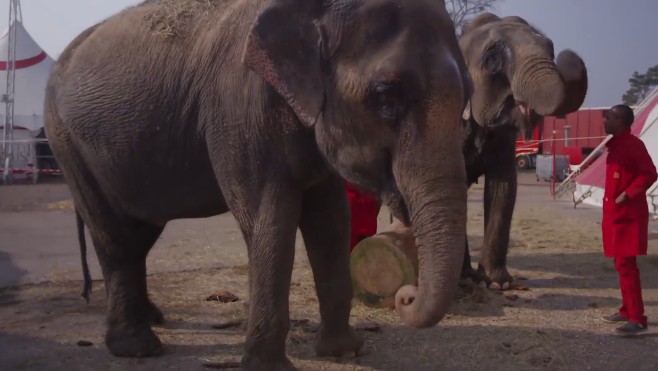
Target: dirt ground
column 554, row 324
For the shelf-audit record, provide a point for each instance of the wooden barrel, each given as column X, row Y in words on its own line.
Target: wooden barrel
column 383, row 263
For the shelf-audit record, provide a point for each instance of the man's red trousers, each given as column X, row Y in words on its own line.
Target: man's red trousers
column 631, row 290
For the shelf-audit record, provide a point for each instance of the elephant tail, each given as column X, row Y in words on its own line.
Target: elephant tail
column 80, row 223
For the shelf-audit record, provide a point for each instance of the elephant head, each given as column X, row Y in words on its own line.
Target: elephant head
column 382, row 85
column 514, row 73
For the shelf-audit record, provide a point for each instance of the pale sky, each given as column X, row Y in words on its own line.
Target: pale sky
column 614, row 37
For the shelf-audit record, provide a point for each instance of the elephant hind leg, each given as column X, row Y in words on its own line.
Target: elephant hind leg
column 122, row 255
column 121, row 244
column 467, row 267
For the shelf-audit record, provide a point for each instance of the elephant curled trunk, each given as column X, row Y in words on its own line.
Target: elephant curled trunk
column 551, row 89
column 439, row 225
column 431, row 177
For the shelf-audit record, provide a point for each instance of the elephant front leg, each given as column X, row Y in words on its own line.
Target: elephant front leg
column 499, row 200
column 325, row 227
column 270, row 233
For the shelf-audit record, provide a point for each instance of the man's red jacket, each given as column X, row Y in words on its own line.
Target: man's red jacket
column 628, row 169
column 364, row 208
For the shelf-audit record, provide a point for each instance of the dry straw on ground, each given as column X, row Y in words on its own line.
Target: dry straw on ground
column 175, row 18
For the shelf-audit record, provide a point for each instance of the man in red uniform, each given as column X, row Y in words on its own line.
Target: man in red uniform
column 364, row 208
column 629, row 173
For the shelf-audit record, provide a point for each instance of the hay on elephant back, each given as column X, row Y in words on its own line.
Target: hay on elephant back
column 175, row 18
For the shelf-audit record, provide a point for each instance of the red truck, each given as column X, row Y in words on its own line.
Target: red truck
column 527, row 150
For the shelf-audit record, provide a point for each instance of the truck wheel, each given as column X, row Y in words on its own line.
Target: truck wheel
column 523, row 162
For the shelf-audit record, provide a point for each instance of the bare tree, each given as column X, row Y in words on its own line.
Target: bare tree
column 462, row 10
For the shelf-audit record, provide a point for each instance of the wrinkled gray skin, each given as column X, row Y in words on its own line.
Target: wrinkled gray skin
column 515, row 78
column 260, row 109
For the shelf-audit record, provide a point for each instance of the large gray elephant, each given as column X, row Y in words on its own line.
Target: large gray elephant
column 515, row 79
column 181, row 109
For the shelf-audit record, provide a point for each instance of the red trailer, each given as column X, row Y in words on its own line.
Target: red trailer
column 576, row 135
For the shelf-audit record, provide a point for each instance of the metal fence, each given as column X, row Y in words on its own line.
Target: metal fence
column 25, row 159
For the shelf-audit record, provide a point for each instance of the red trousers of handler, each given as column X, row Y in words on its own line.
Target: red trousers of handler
column 632, row 306
column 364, row 208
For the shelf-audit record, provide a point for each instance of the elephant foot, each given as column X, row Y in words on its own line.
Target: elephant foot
column 253, row 363
column 133, row 341
column 155, row 315
column 469, row 272
column 338, row 344
column 496, row 278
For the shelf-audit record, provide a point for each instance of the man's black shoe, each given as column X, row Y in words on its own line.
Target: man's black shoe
column 631, row 328
column 614, row 318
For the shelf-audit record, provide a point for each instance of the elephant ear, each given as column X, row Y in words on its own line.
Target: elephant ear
column 573, row 72
column 480, row 21
column 284, row 48
column 514, row 19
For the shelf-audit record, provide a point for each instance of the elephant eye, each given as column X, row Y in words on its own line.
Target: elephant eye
column 386, row 98
column 494, row 57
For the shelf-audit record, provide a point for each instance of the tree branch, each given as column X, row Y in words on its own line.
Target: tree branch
column 461, row 10
column 641, row 85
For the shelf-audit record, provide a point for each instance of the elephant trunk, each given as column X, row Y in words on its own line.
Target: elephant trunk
column 432, row 180
column 548, row 88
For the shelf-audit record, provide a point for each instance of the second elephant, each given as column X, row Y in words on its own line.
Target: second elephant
column 515, row 80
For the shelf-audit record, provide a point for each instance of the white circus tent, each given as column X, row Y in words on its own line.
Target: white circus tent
column 24, row 71
column 32, row 69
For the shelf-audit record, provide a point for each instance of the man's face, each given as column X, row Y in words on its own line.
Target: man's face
column 613, row 123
